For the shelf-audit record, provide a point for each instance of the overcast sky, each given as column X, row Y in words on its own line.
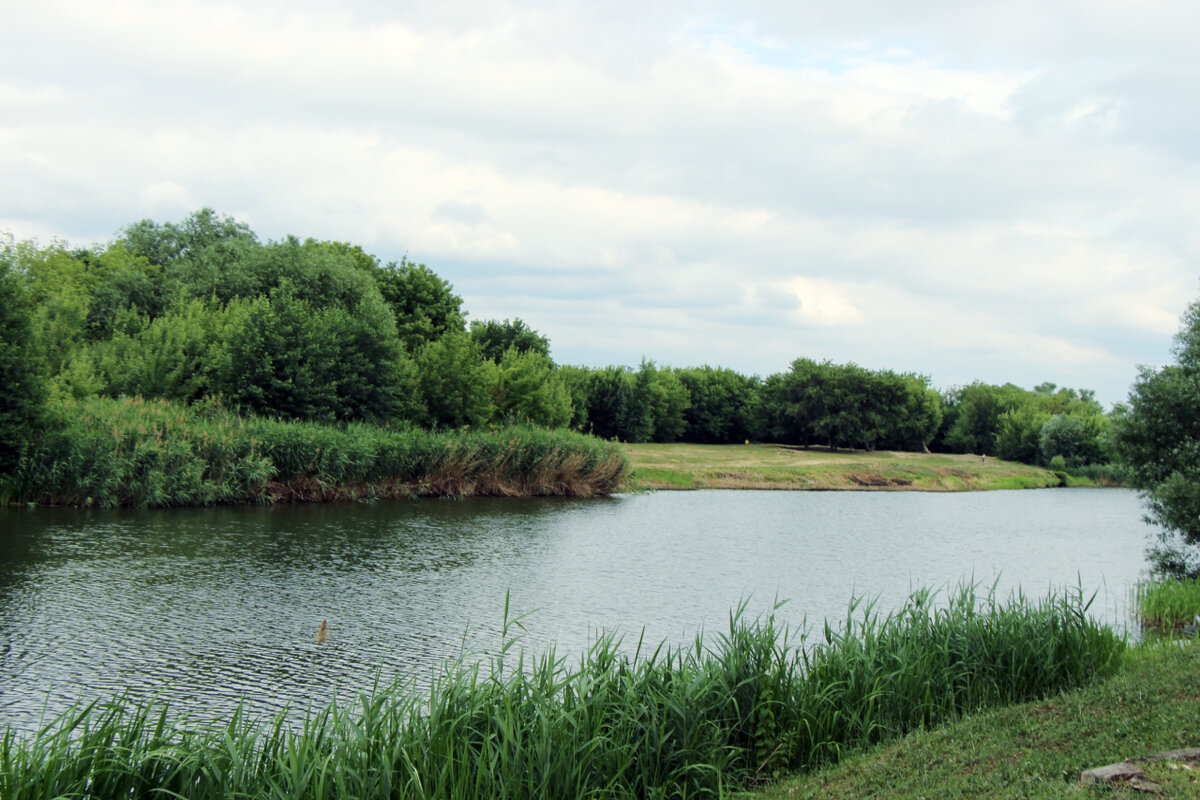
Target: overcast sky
column 1001, row 191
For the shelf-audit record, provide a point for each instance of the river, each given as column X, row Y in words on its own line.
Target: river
column 206, row 608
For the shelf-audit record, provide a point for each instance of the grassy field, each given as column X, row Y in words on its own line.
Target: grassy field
column 1037, row 749
column 764, row 466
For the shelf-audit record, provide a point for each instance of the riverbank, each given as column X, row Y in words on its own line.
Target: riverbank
column 770, row 466
column 135, row 453
column 1036, row 749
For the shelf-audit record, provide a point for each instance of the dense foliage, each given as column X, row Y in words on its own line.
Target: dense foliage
column 321, row 331
column 697, row 721
column 22, row 396
column 1159, row 439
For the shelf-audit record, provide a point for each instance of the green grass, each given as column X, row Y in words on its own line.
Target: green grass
column 759, row 466
column 132, row 452
column 1036, row 749
column 1165, row 605
column 696, row 721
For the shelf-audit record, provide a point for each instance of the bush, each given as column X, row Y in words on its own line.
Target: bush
column 22, row 389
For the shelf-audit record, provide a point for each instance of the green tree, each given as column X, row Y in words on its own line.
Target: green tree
column 1077, row 438
column 457, row 386
column 612, row 409
column 22, row 390
column 529, row 389
column 171, row 356
column 719, row 404
column 973, row 416
column 1019, row 434
column 425, row 306
column 659, row 402
column 496, row 338
column 285, row 356
column 167, row 242
column 1158, row 438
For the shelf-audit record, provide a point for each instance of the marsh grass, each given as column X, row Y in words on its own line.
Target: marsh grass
column 697, row 721
column 1166, row 605
column 154, row 453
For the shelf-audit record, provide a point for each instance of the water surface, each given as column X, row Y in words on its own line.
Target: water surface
column 208, row 607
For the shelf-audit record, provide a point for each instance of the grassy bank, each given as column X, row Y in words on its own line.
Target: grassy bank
column 1037, row 749
column 153, row 453
column 691, row 722
column 761, row 466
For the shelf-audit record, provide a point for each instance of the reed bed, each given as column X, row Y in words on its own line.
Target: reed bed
column 132, row 452
column 696, row 721
column 1165, row 605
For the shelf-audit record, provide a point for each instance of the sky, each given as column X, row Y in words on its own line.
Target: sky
column 995, row 191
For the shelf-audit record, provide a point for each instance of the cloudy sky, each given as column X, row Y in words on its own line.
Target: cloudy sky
column 1004, row 191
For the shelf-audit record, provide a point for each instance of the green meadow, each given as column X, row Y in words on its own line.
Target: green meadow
column 773, row 466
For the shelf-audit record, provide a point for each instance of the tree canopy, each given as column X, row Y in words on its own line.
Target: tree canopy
column 1158, row 437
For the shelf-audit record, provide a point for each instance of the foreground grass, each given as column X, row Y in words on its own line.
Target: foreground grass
column 131, row 452
column 692, row 722
column 760, row 466
column 1037, row 749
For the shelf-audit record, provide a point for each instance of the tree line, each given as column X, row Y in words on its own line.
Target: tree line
column 323, row 331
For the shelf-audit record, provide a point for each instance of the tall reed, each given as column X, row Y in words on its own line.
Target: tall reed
column 154, row 453
column 1166, row 605
column 695, row 721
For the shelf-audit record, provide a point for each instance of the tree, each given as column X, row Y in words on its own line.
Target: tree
column 457, row 386
column 719, row 402
column 660, row 400
column 529, row 389
column 283, row 355
column 495, row 338
column 22, row 392
column 425, row 305
column 168, row 242
column 1077, row 438
column 1158, row 438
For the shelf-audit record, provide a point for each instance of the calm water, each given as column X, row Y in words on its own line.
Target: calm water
column 205, row 607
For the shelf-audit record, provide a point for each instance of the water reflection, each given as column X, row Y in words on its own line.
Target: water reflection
column 204, row 607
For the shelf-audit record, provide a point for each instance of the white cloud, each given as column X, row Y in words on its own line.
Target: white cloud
column 968, row 190
column 824, row 303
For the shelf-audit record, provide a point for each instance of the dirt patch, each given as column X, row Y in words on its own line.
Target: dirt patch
column 874, row 480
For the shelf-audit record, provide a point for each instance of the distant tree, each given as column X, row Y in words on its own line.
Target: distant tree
column 456, row 385
column 424, row 304
column 22, row 390
column 577, row 381
column 166, row 242
column 529, row 389
column 914, row 414
column 171, row 356
column 719, row 404
column 659, row 403
column 284, row 355
column 973, row 416
column 1019, row 435
column 1077, row 439
column 497, row 338
column 612, row 410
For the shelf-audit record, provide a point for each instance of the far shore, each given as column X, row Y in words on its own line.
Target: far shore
column 773, row 466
